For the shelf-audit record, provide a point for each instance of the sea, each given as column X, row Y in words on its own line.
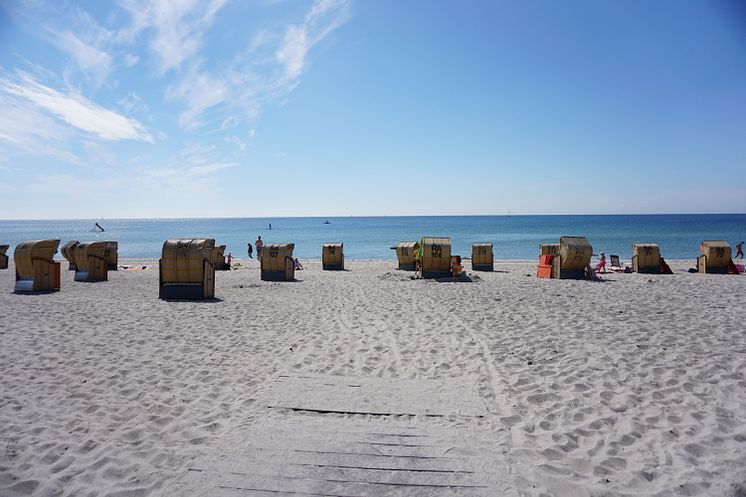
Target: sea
column 515, row 237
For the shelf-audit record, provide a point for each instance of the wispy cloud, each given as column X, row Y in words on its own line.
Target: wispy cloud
column 292, row 52
column 92, row 61
column 210, row 168
column 179, row 26
column 324, row 17
column 25, row 130
column 269, row 69
column 200, row 91
column 193, row 161
column 76, row 110
column 151, row 70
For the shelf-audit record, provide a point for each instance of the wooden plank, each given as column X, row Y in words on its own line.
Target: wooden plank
column 331, row 486
column 329, row 394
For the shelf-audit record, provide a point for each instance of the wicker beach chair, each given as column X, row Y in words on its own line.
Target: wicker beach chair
column 186, row 271
column 570, row 259
column 36, row 270
column 406, row 253
column 715, row 258
column 435, row 257
column 277, row 262
column 91, row 261
column 67, row 250
column 482, row 258
column 332, row 256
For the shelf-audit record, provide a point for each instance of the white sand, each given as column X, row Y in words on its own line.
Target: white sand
column 633, row 386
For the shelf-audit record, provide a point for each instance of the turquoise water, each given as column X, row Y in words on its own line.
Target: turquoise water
column 514, row 237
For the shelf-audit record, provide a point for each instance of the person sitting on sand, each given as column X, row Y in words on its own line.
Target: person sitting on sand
column 601, row 266
column 297, row 265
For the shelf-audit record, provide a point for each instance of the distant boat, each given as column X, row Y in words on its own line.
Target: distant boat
column 98, row 228
column 327, row 222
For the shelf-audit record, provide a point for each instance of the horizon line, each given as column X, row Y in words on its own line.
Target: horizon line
column 337, row 216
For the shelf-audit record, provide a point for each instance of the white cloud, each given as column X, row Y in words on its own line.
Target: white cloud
column 179, row 26
column 241, row 145
column 324, row 17
column 292, row 52
column 76, row 110
column 94, row 62
column 268, row 70
column 130, row 59
column 210, row 168
column 133, row 103
column 26, row 130
column 200, row 91
column 259, row 39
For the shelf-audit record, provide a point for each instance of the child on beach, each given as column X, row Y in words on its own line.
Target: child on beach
column 251, row 251
column 601, row 266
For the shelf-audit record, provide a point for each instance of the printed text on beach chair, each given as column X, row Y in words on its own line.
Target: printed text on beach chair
column 715, row 258
column 332, row 256
column 435, row 257
column 482, row 258
column 91, row 263
column 3, row 257
column 277, row 262
column 406, row 255
column 186, row 271
column 67, row 251
column 112, row 255
column 36, row 270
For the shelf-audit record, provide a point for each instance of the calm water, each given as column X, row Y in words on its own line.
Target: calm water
column 514, row 237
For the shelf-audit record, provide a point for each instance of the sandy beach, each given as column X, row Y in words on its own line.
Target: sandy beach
column 518, row 386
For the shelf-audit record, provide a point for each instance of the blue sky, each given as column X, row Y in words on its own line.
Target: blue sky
column 185, row 108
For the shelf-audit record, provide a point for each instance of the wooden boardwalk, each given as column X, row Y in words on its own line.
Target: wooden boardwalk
column 344, row 437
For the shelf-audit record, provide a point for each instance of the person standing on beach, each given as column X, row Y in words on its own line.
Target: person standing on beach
column 259, row 244
column 601, row 266
column 251, row 252
column 739, row 250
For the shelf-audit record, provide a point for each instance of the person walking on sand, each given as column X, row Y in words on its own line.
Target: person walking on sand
column 259, row 244
column 739, row 250
column 251, row 252
column 229, row 259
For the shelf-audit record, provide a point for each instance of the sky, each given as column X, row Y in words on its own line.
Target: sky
column 264, row 108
